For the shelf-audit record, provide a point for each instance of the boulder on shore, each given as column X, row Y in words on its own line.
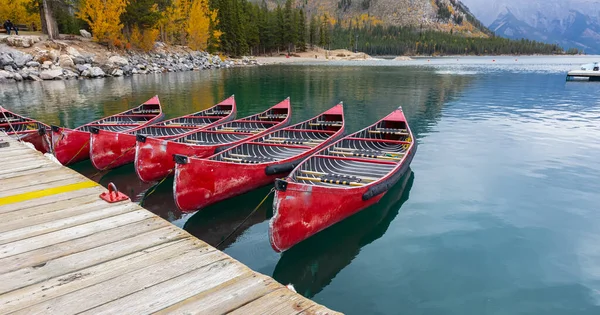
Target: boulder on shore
column 85, row 33
column 6, row 60
column 51, row 74
column 33, row 64
column 22, row 41
column 21, row 59
column 68, row 74
column 118, row 60
column 117, row 73
column 46, row 55
column 66, row 61
column 33, row 77
column 73, row 52
column 93, row 72
column 5, row 75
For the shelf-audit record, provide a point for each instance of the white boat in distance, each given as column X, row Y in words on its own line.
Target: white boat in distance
column 587, row 72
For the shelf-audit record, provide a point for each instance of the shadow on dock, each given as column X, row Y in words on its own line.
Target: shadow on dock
column 312, row 264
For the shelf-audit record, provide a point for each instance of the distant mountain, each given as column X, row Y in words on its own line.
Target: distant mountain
column 441, row 15
column 569, row 23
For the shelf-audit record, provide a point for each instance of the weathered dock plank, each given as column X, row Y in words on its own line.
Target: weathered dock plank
column 64, row 250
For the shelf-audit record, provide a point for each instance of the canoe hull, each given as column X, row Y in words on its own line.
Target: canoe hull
column 70, row 146
column 300, row 211
column 200, row 183
column 109, row 149
column 40, row 139
column 154, row 157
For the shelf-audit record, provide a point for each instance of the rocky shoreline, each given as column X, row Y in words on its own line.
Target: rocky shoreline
column 32, row 58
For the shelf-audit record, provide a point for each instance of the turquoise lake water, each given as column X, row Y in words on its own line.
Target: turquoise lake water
column 500, row 214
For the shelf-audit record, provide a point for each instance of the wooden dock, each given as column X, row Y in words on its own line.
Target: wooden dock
column 63, row 250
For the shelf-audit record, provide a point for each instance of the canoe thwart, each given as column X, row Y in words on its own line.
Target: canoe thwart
column 396, row 133
column 273, row 116
column 340, row 176
column 326, row 124
column 367, row 155
column 248, row 159
column 330, row 181
column 385, row 153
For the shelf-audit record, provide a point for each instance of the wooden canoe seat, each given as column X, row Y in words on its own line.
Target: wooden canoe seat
column 239, row 129
column 273, row 116
column 300, row 141
column 124, row 123
column 336, row 179
column 188, row 125
column 217, row 113
column 146, row 111
column 326, row 124
column 372, row 154
column 10, row 119
column 390, row 131
column 247, row 159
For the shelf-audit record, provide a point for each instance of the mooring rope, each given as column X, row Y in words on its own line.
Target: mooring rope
column 151, row 190
column 246, row 219
column 48, row 141
column 76, row 154
column 113, row 161
column 10, row 125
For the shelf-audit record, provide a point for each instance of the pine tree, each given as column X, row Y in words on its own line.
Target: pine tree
column 322, row 35
column 289, row 26
column 313, row 32
column 279, row 27
column 264, row 27
column 301, row 30
column 251, row 20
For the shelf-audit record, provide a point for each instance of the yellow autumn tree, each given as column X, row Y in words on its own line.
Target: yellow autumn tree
column 16, row 11
column 190, row 22
column 199, row 25
column 145, row 39
column 174, row 23
column 104, row 18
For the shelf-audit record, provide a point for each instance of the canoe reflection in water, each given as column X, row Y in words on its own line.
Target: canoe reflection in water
column 214, row 223
column 312, row 264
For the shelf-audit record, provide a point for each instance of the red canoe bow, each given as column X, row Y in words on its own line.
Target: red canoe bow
column 25, row 129
column 341, row 180
column 113, row 149
column 252, row 164
column 73, row 145
column 154, row 157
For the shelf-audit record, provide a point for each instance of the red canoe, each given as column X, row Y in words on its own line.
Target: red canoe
column 341, row 180
column 154, row 157
column 252, row 164
column 110, row 149
column 25, row 129
column 73, row 145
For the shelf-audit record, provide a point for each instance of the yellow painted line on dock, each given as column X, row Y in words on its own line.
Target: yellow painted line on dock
column 46, row 192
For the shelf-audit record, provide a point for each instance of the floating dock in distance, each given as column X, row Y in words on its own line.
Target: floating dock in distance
column 63, row 250
column 583, row 75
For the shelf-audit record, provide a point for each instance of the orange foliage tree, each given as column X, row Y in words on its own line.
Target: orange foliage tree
column 144, row 39
column 103, row 16
column 190, row 22
column 199, row 25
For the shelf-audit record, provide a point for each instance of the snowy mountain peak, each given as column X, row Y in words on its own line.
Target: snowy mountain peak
column 570, row 23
